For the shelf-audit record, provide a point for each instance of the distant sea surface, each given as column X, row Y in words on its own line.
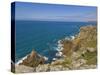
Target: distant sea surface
column 42, row 36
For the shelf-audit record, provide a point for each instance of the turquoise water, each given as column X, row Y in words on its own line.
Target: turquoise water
column 42, row 36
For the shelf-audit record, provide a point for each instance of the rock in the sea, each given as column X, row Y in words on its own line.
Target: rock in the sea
column 33, row 60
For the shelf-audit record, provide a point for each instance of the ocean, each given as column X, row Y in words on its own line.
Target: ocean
column 42, row 36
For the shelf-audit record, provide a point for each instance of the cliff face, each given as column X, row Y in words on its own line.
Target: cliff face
column 88, row 36
column 84, row 46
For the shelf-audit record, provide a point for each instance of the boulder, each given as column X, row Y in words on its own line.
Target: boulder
column 91, row 49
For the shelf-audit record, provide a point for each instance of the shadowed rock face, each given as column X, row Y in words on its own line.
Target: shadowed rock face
column 67, row 47
column 33, row 60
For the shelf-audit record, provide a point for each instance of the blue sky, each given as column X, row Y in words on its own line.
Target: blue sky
column 51, row 12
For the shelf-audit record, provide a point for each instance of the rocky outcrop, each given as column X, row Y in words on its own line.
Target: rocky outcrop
column 87, row 39
column 33, row 60
column 67, row 45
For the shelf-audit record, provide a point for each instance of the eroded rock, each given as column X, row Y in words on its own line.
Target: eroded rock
column 33, row 60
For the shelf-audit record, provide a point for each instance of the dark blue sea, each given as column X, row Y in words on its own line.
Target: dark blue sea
column 42, row 36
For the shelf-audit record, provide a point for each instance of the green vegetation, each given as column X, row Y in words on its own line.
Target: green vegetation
column 92, row 43
column 66, row 63
column 91, row 57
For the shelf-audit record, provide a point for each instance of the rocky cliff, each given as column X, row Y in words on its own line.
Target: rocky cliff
column 84, row 46
column 33, row 59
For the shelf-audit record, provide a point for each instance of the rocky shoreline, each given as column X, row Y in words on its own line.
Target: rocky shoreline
column 79, row 52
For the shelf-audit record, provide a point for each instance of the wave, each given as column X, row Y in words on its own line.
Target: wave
column 21, row 60
column 59, row 47
column 70, row 38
